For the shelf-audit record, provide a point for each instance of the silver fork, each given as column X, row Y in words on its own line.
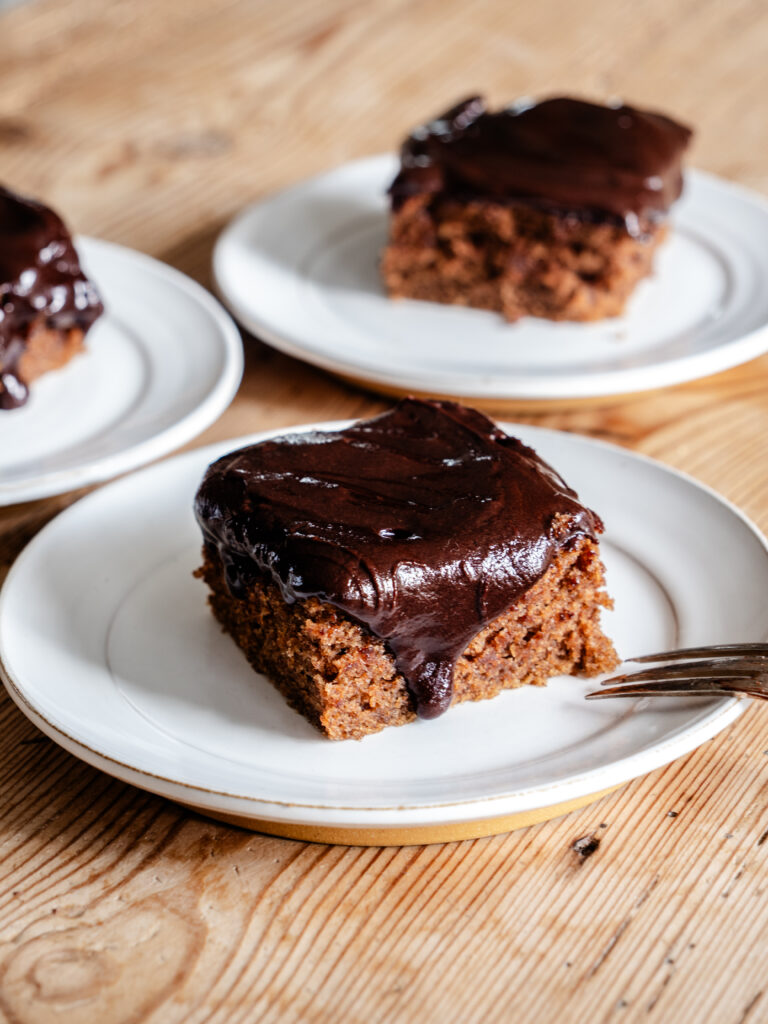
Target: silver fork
column 720, row 670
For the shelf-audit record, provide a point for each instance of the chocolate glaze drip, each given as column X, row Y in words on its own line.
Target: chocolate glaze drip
column 40, row 280
column 423, row 524
column 564, row 154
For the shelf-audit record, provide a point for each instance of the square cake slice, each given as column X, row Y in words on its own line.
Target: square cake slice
column 47, row 305
column 407, row 562
column 550, row 209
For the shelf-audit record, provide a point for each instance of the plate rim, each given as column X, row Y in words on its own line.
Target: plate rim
column 539, row 388
column 724, row 711
column 197, row 419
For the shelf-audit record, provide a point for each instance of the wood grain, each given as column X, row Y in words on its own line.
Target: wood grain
column 151, row 124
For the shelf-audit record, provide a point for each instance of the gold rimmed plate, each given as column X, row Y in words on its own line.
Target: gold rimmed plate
column 107, row 645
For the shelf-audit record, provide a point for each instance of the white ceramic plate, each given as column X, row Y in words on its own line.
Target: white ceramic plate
column 108, row 646
column 160, row 366
column 301, row 271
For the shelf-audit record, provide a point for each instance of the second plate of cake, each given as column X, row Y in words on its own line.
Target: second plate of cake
column 147, row 687
column 158, row 367
column 302, row 271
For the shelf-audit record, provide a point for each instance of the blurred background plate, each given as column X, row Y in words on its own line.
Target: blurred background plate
column 158, row 368
column 300, row 270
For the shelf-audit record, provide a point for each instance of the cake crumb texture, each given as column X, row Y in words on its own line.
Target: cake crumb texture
column 516, row 260
column 343, row 678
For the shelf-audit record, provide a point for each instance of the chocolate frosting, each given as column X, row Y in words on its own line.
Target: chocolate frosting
column 40, row 278
column 568, row 154
column 423, row 524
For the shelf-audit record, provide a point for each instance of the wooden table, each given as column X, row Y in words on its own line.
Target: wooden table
column 153, row 123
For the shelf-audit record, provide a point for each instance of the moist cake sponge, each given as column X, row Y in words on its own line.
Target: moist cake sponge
column 552, row 210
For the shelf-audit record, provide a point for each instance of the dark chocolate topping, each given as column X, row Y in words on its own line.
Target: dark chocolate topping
column 423, row 524
column 40, row 279
column 564, row 153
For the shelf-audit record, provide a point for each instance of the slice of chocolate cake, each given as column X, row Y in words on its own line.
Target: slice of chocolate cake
column 47, row 305
column 550, row 209
column 399, row 565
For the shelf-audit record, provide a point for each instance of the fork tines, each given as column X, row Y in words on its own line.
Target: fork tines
column 678, row 687
column 711, row 668
column 715, row 650
column 727, row 669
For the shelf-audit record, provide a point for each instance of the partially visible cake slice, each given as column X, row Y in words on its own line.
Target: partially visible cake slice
column 550, row 209
column 399, row 565
column 47, row 305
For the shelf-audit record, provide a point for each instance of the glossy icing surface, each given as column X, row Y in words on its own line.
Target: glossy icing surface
column 564, row 153
column 423, row 524
column 40, row 280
